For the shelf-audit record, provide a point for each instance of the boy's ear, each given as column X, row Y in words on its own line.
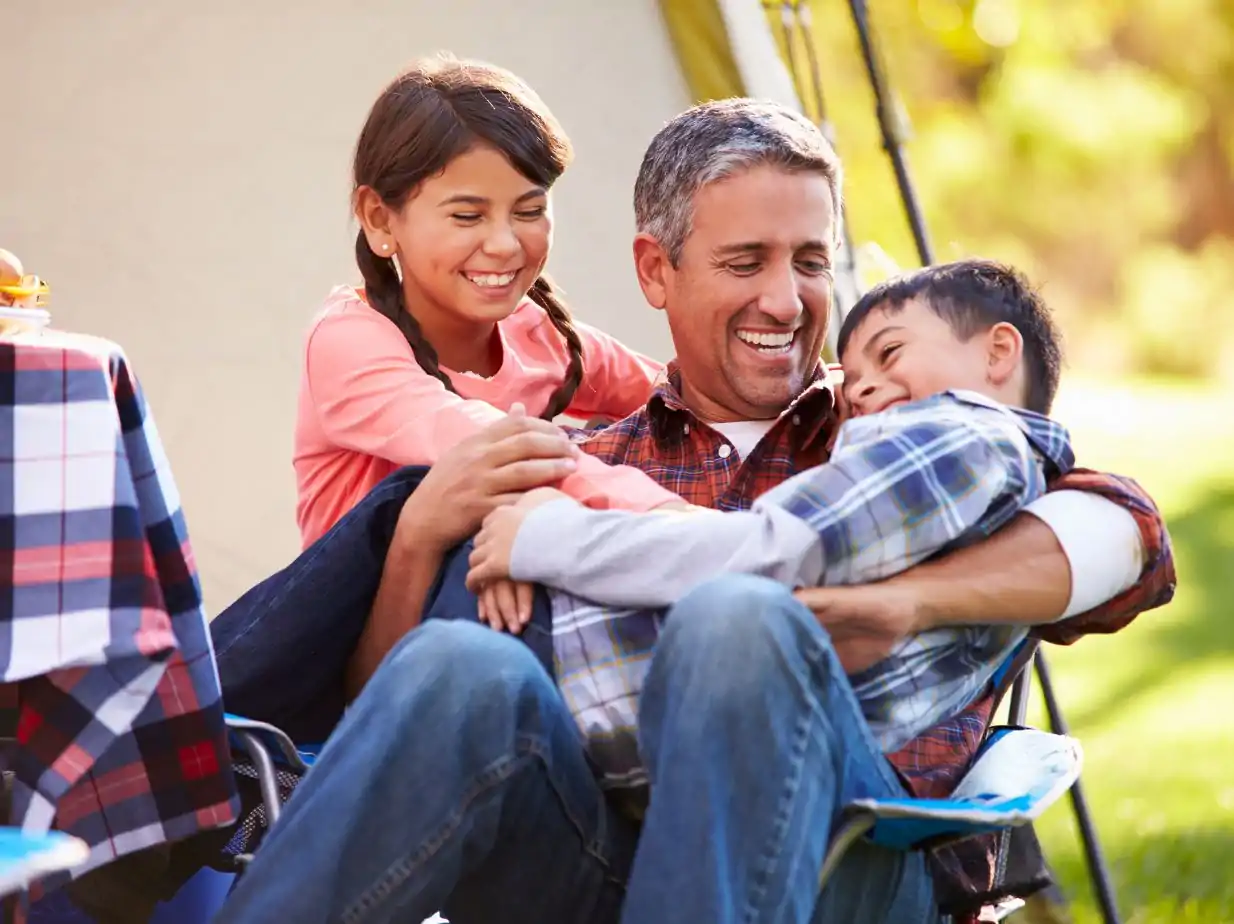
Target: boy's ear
column 1004, row 350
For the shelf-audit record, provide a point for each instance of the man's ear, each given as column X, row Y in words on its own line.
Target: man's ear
column 652, row 265
column 374, row 218
column 1004, row 351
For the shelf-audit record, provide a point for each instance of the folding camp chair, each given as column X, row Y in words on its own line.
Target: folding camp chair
column 267, row 755
column 1018, row 773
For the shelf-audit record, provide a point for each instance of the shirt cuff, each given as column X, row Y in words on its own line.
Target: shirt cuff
column 544, row 545
column 1102, row 543
column 615, row 487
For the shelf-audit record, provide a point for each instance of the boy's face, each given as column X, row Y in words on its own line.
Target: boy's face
column 910, row 354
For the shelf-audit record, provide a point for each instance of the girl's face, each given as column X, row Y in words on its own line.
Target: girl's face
column 472, row 239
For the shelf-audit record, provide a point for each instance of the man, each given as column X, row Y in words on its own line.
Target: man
column 457, row 780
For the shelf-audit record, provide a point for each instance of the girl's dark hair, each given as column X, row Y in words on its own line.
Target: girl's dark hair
column 428, row 116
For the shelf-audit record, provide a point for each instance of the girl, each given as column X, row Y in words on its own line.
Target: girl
column 456, row 321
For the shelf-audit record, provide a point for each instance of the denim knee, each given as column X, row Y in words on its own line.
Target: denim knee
column 741, row 630
column 462, row 672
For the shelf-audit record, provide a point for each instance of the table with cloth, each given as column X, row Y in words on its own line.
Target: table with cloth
column 107, row 676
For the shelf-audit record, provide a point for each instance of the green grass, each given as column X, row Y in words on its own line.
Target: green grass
column 1150, row 703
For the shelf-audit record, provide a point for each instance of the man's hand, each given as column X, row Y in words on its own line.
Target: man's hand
column 490, row 561
column 866, row 621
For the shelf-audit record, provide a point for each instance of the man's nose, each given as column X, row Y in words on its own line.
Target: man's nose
column 781, row 299
column 501, row 241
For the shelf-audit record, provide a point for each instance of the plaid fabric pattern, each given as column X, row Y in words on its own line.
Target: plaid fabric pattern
column 682, row 453
column 697, row 463
column 901, row 487
column 106, row 664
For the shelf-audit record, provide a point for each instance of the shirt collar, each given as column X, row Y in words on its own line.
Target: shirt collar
column 814, row 407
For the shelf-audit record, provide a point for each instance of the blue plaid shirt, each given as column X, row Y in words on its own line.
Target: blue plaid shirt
column 901, row 486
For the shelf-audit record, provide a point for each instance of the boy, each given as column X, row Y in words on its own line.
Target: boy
column 948, row 373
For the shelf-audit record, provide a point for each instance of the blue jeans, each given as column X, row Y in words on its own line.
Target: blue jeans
column 282, row 648
column 457, row 782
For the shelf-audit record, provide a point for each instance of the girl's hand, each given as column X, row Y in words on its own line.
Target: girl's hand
column 489, row 470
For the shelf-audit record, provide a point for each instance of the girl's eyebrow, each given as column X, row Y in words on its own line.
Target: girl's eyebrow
column 469, row 199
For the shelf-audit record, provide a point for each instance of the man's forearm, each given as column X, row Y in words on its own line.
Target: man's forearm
column 409, row 572
column 1019, row 575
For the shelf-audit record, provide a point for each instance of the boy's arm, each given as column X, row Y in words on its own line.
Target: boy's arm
column 903, row 487
column 906, row 486
column 650, row 560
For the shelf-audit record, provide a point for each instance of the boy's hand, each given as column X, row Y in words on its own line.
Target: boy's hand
column 490, row 560
column 506, row 604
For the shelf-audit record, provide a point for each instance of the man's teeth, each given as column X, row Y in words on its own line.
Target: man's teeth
column 767, row 341
column 492, row 280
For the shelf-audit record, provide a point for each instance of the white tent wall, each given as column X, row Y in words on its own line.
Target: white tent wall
column 179, row 173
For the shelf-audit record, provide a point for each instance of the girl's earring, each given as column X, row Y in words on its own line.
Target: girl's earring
column 398, row 269
column 385, row 248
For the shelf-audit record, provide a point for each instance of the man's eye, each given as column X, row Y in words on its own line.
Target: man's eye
column 744, row 269
column 531, row 214
column 466, row 217
column 815, row 267
column 888, row 351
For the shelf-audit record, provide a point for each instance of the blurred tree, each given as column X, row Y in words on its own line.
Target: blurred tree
column 1091, row 142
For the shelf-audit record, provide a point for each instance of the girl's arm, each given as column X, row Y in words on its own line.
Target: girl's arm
column 371, row 396
column 617, row 381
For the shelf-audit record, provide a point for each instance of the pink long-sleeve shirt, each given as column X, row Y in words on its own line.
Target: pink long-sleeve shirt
column 366, row 407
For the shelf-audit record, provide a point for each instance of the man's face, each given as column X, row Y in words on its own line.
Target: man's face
column 749, row 301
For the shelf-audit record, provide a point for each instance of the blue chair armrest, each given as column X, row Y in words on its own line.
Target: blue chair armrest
column 282, row 750
column 1017, row 775
column 25, row 858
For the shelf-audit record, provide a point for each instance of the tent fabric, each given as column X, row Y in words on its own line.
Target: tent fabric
column 728, row 48
column 699, row 36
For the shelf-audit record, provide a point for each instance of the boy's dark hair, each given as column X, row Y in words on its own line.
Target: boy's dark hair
column 972, row 296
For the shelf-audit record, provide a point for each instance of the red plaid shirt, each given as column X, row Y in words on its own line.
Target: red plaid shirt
column 683, row 454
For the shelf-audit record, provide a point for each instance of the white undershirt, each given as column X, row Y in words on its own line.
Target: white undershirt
column 1102, row 543
column 1100, row 539
column 743, row 434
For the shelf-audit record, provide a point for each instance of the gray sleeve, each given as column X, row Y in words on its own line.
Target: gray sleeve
column 619, row 558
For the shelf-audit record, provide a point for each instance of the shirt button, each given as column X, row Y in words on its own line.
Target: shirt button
column 796, row 420
column 686, row 429
column 725, row 451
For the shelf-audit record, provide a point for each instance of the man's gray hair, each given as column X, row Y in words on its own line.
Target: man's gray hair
column 716, row 140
